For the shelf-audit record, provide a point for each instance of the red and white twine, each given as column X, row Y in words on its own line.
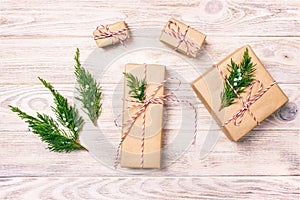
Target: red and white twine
column 250, row 99
column 143, row 125
column 181, row 36
column 142, row 105
column 105, row 32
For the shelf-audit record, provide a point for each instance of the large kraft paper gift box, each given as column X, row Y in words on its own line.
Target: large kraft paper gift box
column 209, row 87
column 130, row 156
column 182, row 37
column 111, row 34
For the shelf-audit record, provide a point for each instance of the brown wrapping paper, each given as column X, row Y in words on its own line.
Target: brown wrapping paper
column 193, row 36
column 112, row 40
column 209, row 87
column 131, row 147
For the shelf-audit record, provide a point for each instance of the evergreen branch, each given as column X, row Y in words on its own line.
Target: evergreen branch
column 240, row 77
column 89, row 91
column 66, row 114
column 137, row 87
column 48, row 130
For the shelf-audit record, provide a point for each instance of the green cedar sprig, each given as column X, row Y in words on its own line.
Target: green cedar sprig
column 240, row 77
column 48, row 129
column 66, row 114
column 89, row 91
column 137, row 87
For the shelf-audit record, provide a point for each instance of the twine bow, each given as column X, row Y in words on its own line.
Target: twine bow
column 106, row 33
column 169, row 97
column 176, row 32
column 250, row 99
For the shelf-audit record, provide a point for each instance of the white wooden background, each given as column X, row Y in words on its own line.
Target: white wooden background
column 38, row 38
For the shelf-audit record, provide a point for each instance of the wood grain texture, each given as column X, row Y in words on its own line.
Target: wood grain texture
column 39, row 39
column 222, row 18
column 151, row 188
column 259, row 153
column 279, row 56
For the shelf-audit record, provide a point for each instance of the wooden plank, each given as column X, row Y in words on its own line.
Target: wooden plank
column 150, row 188
column 264, row 153
column 230, row 18
column 36, row 98
column 36, row 58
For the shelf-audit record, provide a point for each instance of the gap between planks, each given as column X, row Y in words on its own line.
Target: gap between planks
column 84, row 36
column 155, row 177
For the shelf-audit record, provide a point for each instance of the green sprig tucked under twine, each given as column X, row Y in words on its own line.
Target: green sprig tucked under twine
column 89, row 91
column 240, row 77
column 136, row 86
column 50, row 131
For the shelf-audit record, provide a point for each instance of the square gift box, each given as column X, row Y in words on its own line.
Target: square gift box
column 256, row 102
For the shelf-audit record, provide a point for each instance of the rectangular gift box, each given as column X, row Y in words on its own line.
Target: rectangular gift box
column 209, row 87
column 131, row 147
column 111, row 34
column 177, row 33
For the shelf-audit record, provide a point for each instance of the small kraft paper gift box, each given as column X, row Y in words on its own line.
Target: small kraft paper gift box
column 182, row 37
column 110, row 34
column 142, row 117
column 239, row 93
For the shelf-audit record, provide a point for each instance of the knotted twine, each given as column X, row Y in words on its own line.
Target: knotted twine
column 250, row 99
column 181, row 36
column 106, row 33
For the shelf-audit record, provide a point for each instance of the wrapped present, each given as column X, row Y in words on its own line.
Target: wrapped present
column 142, row 116
column 184, row 38
column 111, row 34
column 239, row 92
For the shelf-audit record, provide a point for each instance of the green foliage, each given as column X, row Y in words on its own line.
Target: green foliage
column 240, row 77
column 137, row 87
column 66, row 115
column 48, row 130
column 89, row 91
column 62, row 134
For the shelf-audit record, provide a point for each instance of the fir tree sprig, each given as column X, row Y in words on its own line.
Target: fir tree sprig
column 137, row 86
column 240, row 77
column 89, row 91
column 48, row 129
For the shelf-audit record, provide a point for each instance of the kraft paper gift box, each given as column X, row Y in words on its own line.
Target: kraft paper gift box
column 182, row 37
column 209, row 87
column 111, row 34
column 130, row 156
